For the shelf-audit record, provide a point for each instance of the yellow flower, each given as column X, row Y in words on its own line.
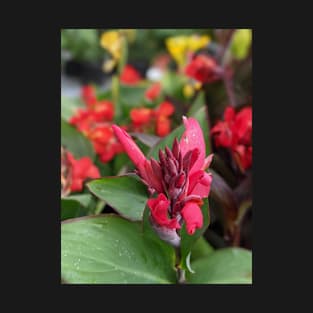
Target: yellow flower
column 112, row 41
column 179, row 46
column 188, row 91
column 196, row 42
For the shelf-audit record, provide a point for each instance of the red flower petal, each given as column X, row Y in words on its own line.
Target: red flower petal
column 191, row 139
column 131, row 148
column 159, row 211
column 193, row 217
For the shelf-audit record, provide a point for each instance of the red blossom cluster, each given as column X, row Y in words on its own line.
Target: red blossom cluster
column 235, row 133
column 95, row 122
column 144, row 119
column 152, row 120
column 204, row 69
column 81, row 170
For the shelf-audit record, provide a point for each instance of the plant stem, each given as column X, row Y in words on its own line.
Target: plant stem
column 236, row 237
column 99, row 207
column 115, row 95
column 181, row 279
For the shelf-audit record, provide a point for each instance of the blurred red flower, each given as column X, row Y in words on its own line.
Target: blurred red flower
column 104, row 142
column 153, row 92
column 81, row 170
column 163, row 122
column 204, row 69
column 144, row 119
column 140, row 116
column 88, row 94
column 130, row 75
column 235, row 133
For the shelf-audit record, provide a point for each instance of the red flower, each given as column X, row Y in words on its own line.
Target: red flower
column 130, row 76
column 88, row 93
column 81, row 170
column 85, row 119
column 105, row 109
column 140, row 116
column 204, row 69
column 179, row 177
column 104, row 142
column 235, row 133
column 163, row 123
column 159, row 211
column 153, row 92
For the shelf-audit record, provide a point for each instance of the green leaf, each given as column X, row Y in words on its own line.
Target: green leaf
column 126, row 194
column 187, row 241
column 69, row 106
column 132, row 96
column 111, row 250
column 225, row 266
column 201, row 249
column 75, row 142
column 74, row 206
column 173, row 83
column 241, row 42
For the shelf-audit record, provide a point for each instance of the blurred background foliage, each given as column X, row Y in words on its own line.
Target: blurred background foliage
column 84, row 44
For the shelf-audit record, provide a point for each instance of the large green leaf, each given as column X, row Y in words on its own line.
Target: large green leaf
column 111, row 250
column 69, row 107
column 201, row 249
column 74, row 206
column 75, row 142
column 126, row 194
column 225, row 266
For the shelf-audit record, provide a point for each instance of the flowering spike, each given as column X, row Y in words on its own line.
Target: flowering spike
column 178, row 179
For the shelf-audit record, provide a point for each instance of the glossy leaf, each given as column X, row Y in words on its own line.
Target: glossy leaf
column 111, row 250
column 74, row 206
column 126, row 194
column 224, row 266
column 201, row 249
column 75, row 142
